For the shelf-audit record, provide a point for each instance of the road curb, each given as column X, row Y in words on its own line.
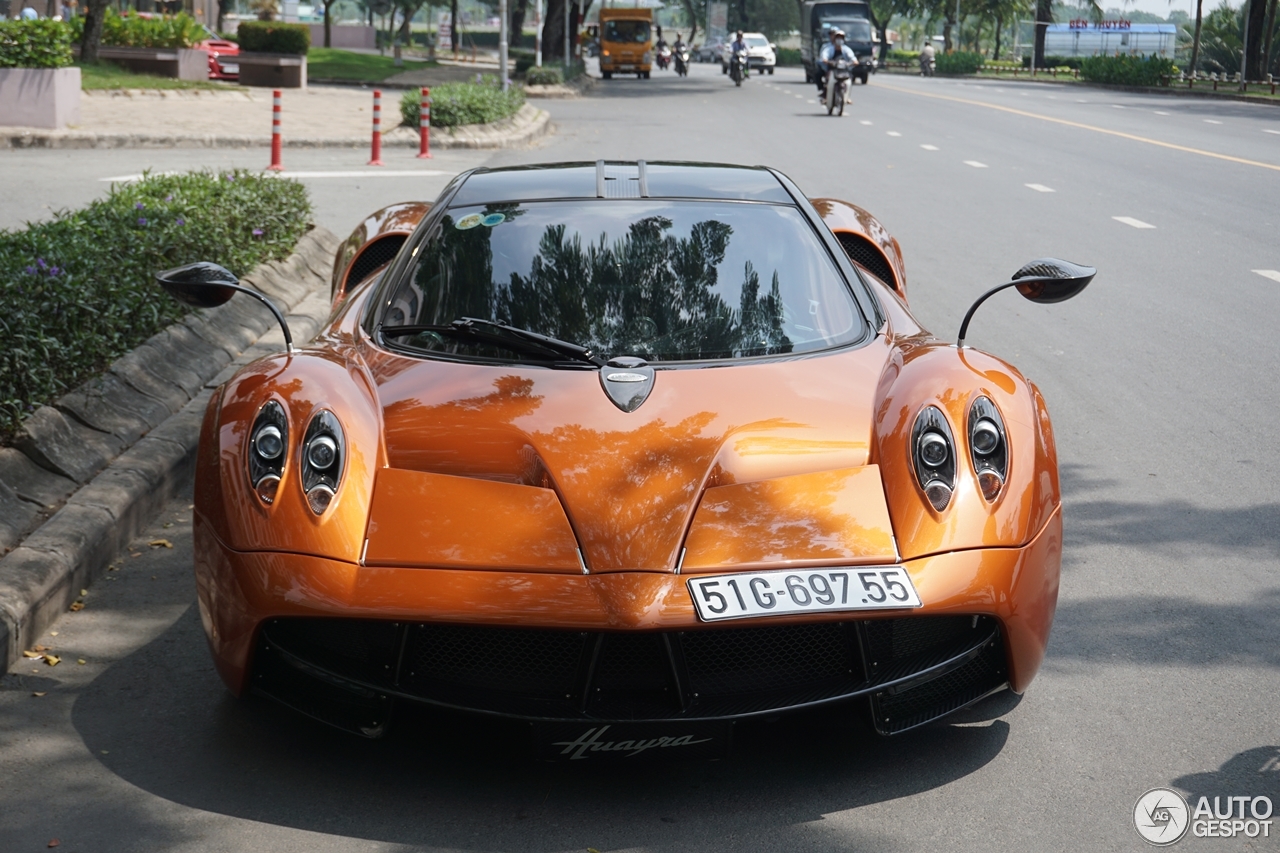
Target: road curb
column 114, row 499
column 522, row 128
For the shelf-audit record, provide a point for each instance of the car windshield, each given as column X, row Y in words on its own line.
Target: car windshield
column 856, row 30
column 662, row 280
column 756, row 41
column 627, row 31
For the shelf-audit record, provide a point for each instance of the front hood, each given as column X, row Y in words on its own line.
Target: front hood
column 630, row 483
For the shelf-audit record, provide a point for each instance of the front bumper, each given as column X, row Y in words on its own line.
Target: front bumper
column 324, row 635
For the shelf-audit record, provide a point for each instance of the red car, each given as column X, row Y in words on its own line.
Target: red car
column 223, row 56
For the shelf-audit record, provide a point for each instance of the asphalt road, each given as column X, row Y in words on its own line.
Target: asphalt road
column 1163, row 668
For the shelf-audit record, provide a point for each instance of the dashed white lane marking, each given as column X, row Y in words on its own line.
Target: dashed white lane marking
column 892, row 133
column 801, row 97
column 1212, row 121
column 864, row 121
column 1040, row 188
column 1116, row 107
column 975, row 164
column 1276, row 132
column 371, row 173
column 1135, row 223
column 1079, row 101
column 929, row 147
column 1161, row 113
column 1274, row 275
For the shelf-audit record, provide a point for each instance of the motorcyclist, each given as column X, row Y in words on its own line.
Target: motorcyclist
column 679, row 45
column 739, row 46
column 927, row 58
column 832, row 49
column 677, row 53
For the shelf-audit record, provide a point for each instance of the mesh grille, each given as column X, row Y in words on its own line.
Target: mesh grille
column 362, row 649
column 739, row 660
column 508, row 660
column 942, row 695
column 890, row 640
column 377, row 253
column 632, row 662
column 864, row 254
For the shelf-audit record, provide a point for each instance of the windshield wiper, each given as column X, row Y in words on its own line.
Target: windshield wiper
column 512, row 337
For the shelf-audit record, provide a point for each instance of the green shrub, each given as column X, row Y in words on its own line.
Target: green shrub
column 274, row 37
column 131, row 30
column 34, row 44
column 453, row 104
column 79, row 292
column 904, row 56
column 547, row 75
column 959, row 62
column 1072, row 62
column 788, row 56
column 1127, row 70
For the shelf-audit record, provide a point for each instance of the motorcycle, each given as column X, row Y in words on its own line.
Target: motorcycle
column 664, row 57
column 682, row 62
column 738, row 68
column 839, row 73
column 927, row 65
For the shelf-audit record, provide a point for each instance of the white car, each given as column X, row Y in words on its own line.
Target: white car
column 761, row 54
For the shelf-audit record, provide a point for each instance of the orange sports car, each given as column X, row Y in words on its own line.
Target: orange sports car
column 629, row 451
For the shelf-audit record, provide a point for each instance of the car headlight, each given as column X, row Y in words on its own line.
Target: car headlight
column 988, row 447
column 268, row 443
column 933, row 457
column 322, row 457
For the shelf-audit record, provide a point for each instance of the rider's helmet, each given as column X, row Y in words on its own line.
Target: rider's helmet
column 837, row 34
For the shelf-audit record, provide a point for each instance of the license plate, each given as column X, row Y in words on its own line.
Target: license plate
column 231, row 68
column 587, row 741
column 772, row 593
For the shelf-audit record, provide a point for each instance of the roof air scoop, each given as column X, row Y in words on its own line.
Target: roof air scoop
column 627, row 381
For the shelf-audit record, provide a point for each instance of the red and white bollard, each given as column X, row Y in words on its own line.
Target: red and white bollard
column 424, row 125
column 377, row 129
column 276, row 164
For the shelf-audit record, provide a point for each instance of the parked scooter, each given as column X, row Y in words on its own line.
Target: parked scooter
column 664, row 57
column 738, row 68
column 682, row 62
column 839, row 73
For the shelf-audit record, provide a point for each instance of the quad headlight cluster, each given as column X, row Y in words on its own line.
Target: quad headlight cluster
column 321, row 456
column 934, row 456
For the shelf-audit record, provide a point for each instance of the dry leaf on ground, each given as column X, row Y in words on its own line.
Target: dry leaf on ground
column 160, row 543
column 52, row 660
column 53, row 842
column 76, row 606
column 39, row 693
column 28, row 654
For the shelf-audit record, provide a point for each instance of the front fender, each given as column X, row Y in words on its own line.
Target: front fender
column 941, row 375
column 304, row 384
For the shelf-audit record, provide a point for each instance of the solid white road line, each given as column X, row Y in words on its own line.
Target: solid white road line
column 1136, row 223
column 1274, row 275
column 1117, row 106
column 929, row 147
column 1212, row 121
column 1040, row 188
column 892, row 133
column 1277, row 132
column 975, row 164
column 384, row 173
column 1161, row 113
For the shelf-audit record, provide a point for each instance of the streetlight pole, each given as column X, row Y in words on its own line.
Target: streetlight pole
column 957, row 24
column 1244, row 46
column 537, row 37
column 565, row 5
column 502, row 43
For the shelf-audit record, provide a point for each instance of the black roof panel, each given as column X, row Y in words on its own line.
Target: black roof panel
column 584, row 180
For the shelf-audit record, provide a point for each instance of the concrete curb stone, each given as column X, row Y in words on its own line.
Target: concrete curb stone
column 121, row 491
column 528, row 124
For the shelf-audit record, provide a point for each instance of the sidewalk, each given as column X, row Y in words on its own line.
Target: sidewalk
column 319, row 116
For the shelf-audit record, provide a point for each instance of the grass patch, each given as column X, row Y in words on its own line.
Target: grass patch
column 330, row 63
column 107, row 75
column 79, row 291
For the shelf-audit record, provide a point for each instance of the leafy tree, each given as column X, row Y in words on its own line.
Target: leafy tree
column 95, row 14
